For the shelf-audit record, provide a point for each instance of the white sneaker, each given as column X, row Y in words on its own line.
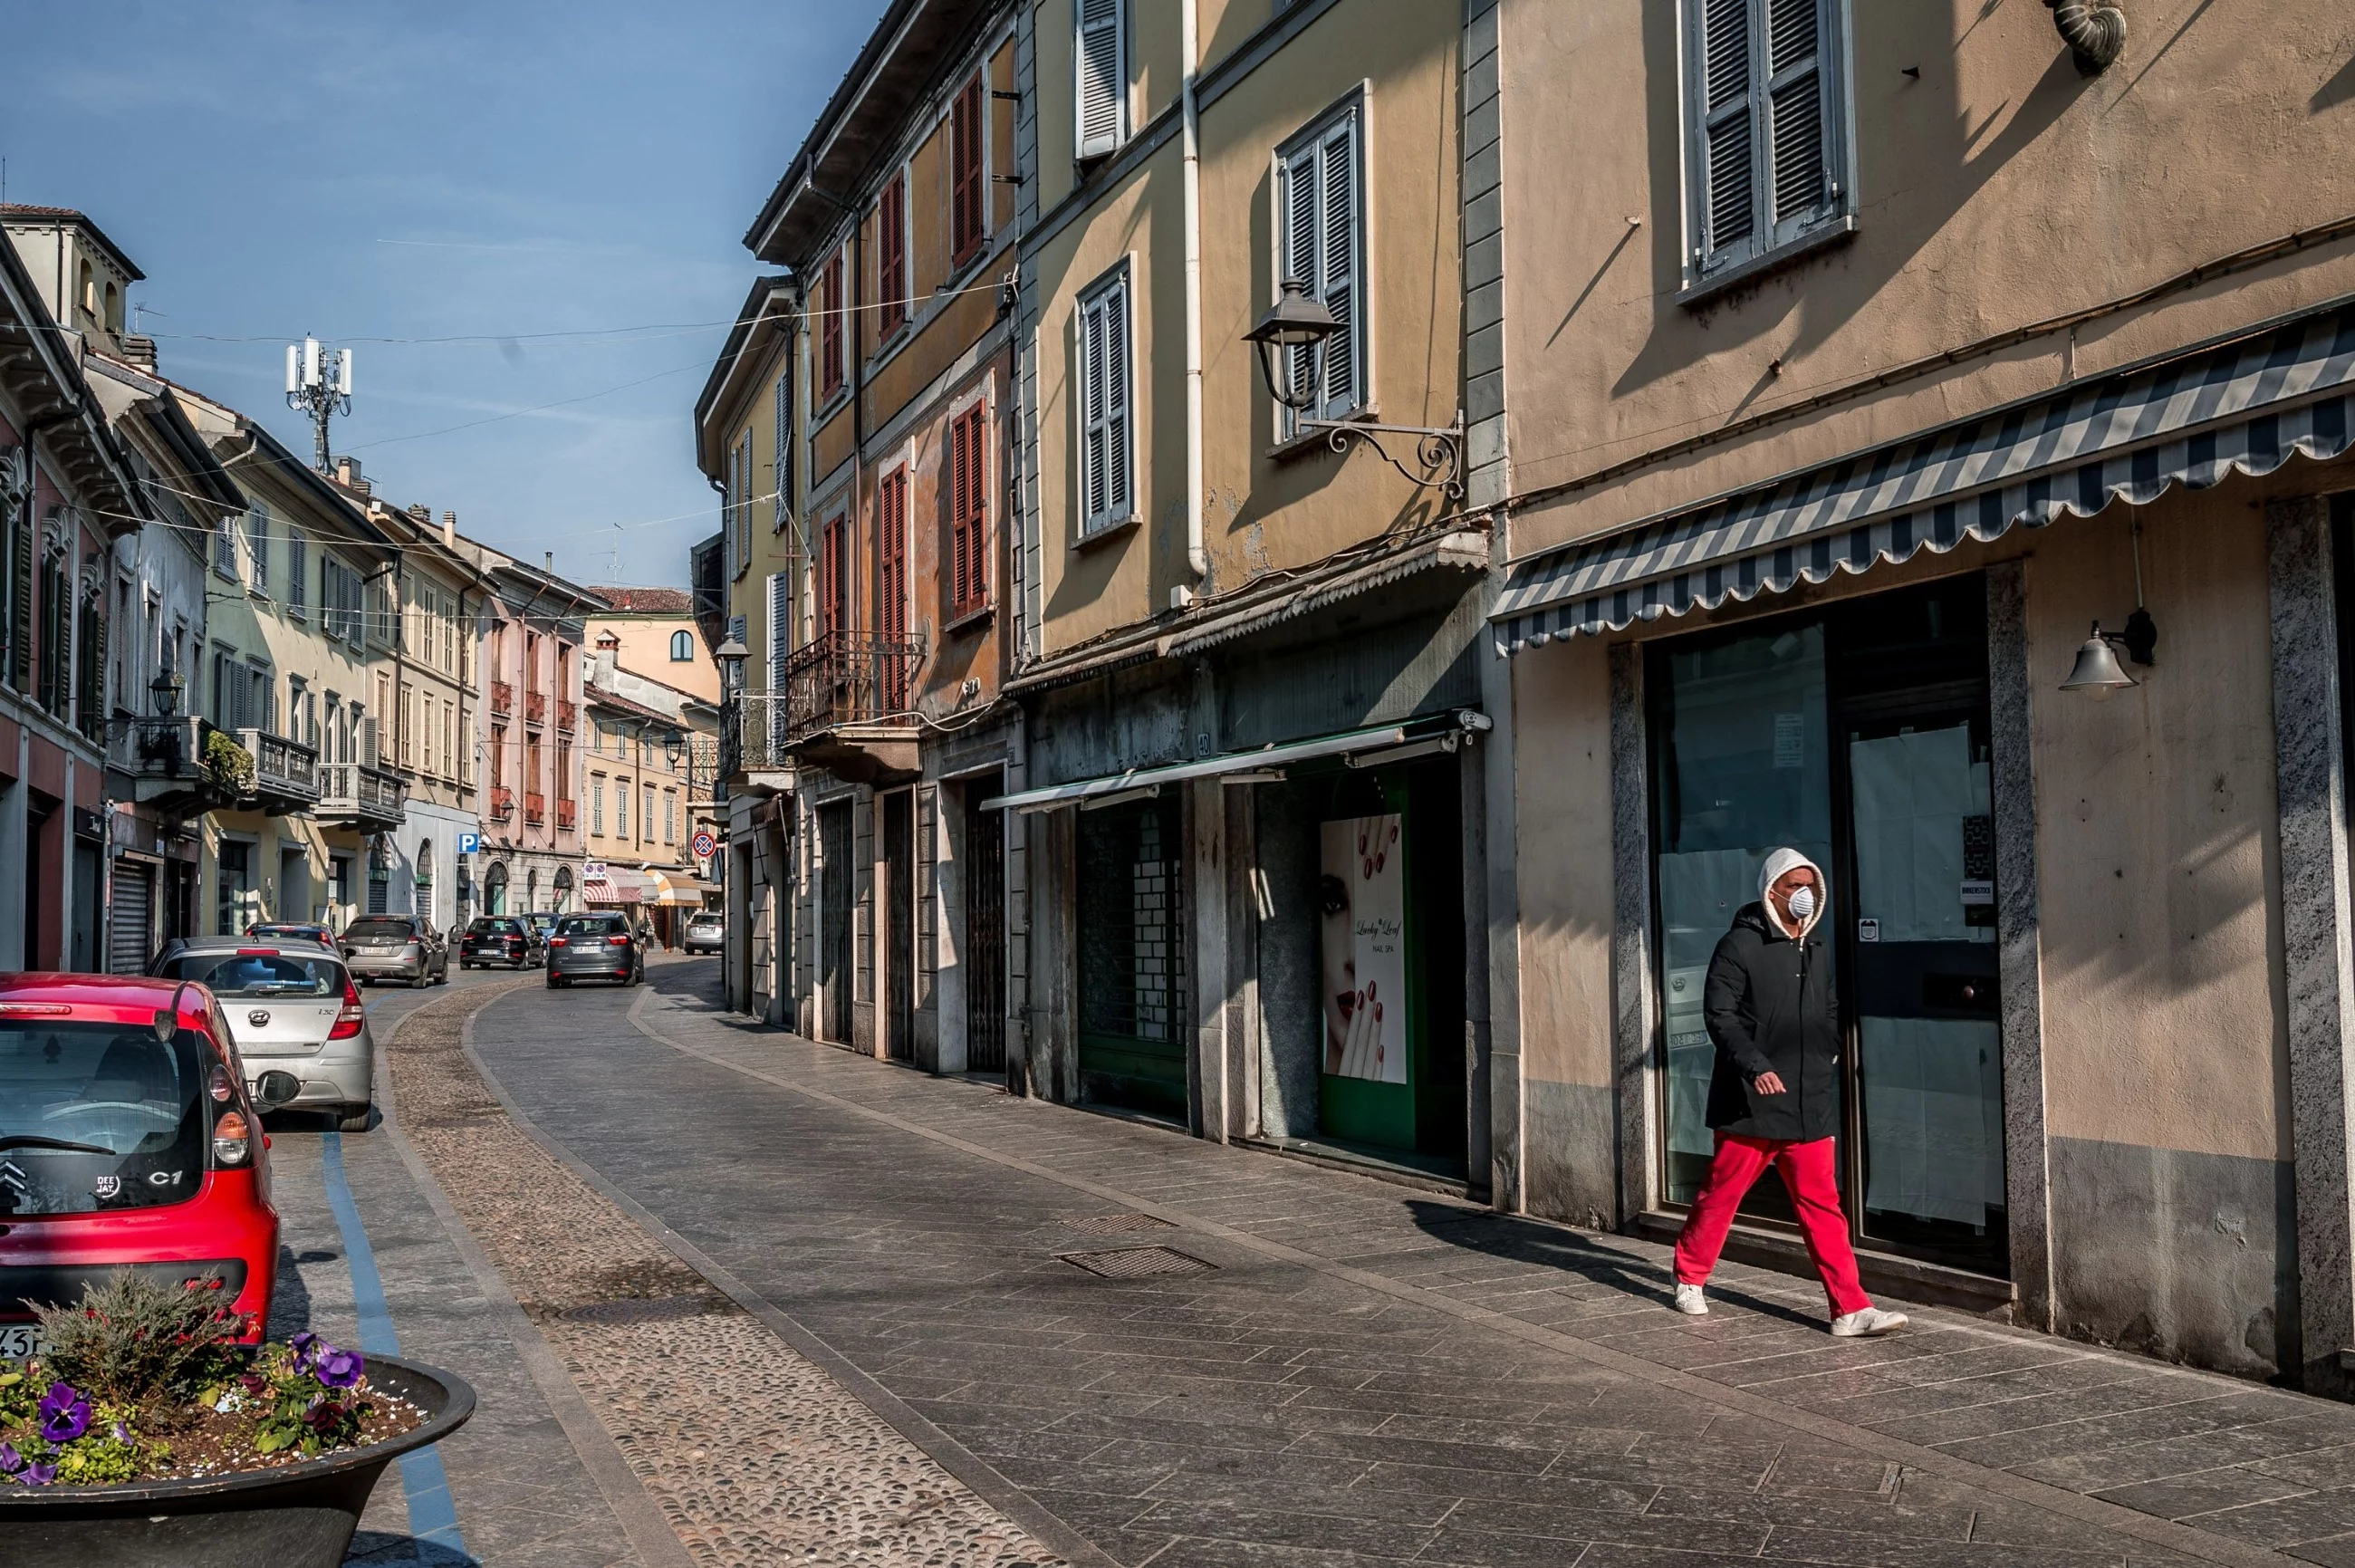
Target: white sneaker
column 1689, row 1300
column 1865, row 1324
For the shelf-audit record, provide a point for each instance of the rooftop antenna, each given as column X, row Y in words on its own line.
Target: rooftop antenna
column 319, row 383
column 613, row 565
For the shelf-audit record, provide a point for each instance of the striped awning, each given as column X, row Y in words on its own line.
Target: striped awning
column 619, row 886
column 2245, row 408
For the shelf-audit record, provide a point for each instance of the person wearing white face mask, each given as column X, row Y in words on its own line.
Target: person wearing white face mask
column 1773, row 1098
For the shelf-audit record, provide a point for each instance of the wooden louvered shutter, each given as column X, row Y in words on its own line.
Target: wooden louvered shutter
column 1094, row 509
column 829, row 327
column 1302, row 204
column 1796, row 105
column 1117, row 503
column 967, row 187
column 94, row 670
column 892, row 255
column 782, row 481
column 781, row 627
column 969, row 507
column 21, row 567
column 891, row 550
column 1099, row 90
column 1337, row 265
column 1725, row 139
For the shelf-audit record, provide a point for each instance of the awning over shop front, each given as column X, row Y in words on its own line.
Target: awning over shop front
column 1368, row 746
column 680, row 889
column 619, row 885
column 2245, row 408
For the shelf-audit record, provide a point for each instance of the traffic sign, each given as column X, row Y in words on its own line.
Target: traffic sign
column 469, row 843
column 705, row 846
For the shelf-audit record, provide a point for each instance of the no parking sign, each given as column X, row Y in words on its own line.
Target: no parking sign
column 705, row 846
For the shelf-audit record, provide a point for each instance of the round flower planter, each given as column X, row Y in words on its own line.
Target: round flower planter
column 294, row 1516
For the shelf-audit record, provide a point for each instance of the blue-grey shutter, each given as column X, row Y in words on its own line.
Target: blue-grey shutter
column 1101, row 77
column 1725, row 149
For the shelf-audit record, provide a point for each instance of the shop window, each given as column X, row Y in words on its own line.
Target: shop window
column 1133, row 957
column 1860, row 737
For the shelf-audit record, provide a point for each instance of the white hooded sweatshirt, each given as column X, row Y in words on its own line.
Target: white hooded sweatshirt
column 1779, row 864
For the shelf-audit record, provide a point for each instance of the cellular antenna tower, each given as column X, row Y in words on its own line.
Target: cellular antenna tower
column 319, row 383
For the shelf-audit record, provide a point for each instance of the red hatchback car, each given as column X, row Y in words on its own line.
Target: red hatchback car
column 127, row 1138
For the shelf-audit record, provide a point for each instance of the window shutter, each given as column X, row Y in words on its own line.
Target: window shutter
column 1337, row 286
column 969, row 507
column 1118, row 503
column 960, row 570
column 781, row 626
column 829, row 326
column 298, row 567
column 1725, row 153
column 257, row 546
column 891, row 587
column 783, row 481
column 892, row 255
column 1795, row 108
column 1303, row 203
column 93, row 669
column 1099, row 94
column 20, row 604
column 967, row 188
column 370, row 754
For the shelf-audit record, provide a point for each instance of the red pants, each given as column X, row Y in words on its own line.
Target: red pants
column 1806, row 1173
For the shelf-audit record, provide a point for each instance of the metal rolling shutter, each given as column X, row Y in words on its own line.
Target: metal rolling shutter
column 126, row 937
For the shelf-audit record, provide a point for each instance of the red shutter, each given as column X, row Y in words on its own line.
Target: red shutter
column 892, row 255
column 967, row 187
column 830, row 607
column 829, row 325
column 969, row 507
column 892, row 506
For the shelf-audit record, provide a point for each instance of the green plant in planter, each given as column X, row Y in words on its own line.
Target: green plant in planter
column 231, row 764
column 132, row 1340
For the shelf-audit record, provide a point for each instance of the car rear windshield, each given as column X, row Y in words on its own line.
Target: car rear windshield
column 99, row 1117
column 257, row 974
column 300, row 933
column 592, row 925
column 495, row 928
column 379, row 930
column 703, row 920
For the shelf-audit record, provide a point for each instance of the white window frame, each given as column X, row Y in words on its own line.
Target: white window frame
column 1099, row 17
column 1092, row 322
column 257, row 547
column 1770, row 238
column 1338, row 134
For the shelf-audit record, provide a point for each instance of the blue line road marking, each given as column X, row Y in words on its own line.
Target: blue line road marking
column 433, row 1512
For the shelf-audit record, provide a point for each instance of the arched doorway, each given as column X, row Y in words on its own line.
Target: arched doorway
column 562, row 903
column 531, row 890
column 494, row 889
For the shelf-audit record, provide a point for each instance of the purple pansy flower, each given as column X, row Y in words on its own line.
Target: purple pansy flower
column 304, row 1345
column 10, row 1460
column 339, row 1368
column 39, row 1475
column 65, row 1413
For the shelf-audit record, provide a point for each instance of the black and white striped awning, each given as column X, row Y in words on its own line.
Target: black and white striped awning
column 2243, row 408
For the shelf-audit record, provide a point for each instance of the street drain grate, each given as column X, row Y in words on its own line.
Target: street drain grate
column 646, row 1310
column 1118, row 1225
column 1137, row 1263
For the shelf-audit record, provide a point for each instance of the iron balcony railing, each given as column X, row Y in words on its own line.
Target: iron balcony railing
column 356, row 793
column 502, row 697
column 850, row 678
column 173, row 764
column 283, row 769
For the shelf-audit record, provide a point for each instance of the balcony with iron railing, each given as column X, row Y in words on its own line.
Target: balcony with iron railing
column 534, row 810
column 285, row 772
column 501, row 803
column 847, row 707
column 568, row 716
column 179, row 763
column 353, row 794
column 535, row 707
column 501, row 698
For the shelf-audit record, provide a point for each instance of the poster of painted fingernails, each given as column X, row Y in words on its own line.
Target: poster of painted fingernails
column 1364, row 948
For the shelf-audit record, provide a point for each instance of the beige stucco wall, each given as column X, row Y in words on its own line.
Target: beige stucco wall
column 646, row 639
column 2000, row 190
column 1262, row 513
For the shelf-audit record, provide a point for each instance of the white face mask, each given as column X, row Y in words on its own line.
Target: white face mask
column 1803, row 904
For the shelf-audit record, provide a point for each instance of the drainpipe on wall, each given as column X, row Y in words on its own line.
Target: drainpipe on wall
column 1198, row 558
column 2096, row 33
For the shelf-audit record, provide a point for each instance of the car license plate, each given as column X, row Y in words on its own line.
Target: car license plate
column 18, row 1340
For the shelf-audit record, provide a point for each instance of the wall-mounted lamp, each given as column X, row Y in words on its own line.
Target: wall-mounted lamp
column 2097, row 672
column 1297, row 320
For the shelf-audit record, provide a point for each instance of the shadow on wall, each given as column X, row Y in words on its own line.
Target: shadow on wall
column 1919, row 167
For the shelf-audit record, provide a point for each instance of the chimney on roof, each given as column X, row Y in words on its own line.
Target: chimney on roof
column 421, row 515
column 548, row 561
column 450, row 530
column 347, row 475
column 609, row 638
column 140, row 350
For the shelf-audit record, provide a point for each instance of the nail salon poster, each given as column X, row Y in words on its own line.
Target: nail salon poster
column 1365, row 948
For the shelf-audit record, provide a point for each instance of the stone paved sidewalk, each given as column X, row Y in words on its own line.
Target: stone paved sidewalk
column 1371, row 1374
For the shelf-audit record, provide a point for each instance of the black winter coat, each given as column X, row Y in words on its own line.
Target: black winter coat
column 1769, row 1004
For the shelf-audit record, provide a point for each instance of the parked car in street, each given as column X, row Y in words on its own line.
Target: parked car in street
column 290, row 1004
column 542, row 923
column 396, row 947
column 129, row 1137
column 595, row 947
column 705, row 931
column 501, row 939
column 292, row 931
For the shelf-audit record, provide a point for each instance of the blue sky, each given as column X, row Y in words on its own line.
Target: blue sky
column 439, row 170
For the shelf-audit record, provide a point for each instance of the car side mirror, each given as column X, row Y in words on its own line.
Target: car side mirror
column 276, row 1088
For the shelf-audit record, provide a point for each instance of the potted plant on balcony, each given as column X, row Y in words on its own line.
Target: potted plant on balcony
column 144, row 1434
column 231, row 764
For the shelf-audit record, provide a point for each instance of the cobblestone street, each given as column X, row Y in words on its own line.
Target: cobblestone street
column 757, row 1300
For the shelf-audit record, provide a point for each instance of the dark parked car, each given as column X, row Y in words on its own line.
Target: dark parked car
column 395, row 947
column 500, row 938
column 595, row 947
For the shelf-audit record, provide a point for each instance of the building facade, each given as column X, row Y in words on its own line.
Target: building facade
column 530, row 667
column 644, row 741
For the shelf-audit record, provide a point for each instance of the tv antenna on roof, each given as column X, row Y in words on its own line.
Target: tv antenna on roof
column 319, row 383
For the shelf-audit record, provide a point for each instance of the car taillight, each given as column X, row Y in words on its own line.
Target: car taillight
column 232, row 1140
column 218, row 1086
column 348, row 1021
column 558, row 940
column 617, row 942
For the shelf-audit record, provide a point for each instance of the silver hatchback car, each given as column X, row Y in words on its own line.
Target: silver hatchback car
column 291, row 1006
column 396, row 947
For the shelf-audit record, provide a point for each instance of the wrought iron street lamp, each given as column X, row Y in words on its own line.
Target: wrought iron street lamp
column 1294, row 326
column 1287, row 338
